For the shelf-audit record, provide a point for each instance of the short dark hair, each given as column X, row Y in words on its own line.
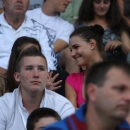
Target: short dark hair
column 15, row 52
column 31, row 51
column 39, row 113
column 92, row 32
column 97, row 72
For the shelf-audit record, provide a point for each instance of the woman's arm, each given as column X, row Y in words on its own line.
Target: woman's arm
column 121, row 6
column 125, row 39
column 124, row 43
column 71, row 94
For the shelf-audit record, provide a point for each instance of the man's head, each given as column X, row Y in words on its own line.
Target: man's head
column 31, row 70
column 108, row 89
column 15, row 7
column 58, row 5
column 41, row 117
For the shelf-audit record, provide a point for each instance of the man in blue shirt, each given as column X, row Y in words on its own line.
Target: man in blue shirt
column 107, row 92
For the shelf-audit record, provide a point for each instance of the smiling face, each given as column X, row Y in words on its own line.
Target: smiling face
column 112, row 99
column 101, row 7
column 33, row 74
column 80, row 50
column 18, row 7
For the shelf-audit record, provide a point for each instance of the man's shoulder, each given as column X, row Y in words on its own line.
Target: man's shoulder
column 9, row 96
column 57, row 100
column 55, row 96
column 59, row 103
column 124, row 126
column 8, row 101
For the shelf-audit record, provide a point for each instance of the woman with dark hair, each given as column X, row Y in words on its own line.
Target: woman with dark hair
column 86, row 48
column 116, row 38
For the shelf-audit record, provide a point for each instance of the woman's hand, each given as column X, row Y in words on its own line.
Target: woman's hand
column 111, row 45
column 51, row 84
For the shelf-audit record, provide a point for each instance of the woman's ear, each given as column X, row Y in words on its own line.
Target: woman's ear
column 92, row 43
column 16, row 76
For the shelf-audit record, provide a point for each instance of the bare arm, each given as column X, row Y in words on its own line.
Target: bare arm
column 124, row 43
column 59, row 45
column 125, row 38
column 71, row 94
column 121, row 5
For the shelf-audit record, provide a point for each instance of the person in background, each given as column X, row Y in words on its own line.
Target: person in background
column 125, row 9
column 71, row 12
column 107, row 101
column 14, row 24
column 60, row 30
column 31, row 72
column 116, row 38
column 86, row 48
column 19, row 46
column 41, row 117
column 33, row 4
column 22, row 26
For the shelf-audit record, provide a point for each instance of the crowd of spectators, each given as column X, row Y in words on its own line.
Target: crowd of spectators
column 64, row 61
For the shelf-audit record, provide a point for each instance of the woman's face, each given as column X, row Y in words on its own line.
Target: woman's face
column 80, row 50
column 101, row 7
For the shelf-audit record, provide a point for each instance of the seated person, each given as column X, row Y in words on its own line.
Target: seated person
column 58, row 28
column 19, row 46
column 116, row 38
column 125, row 9
column 14, row 23
column 31, row 72
column 86, row 49
column 42, row 117
column 56, row 80
column 107, row 94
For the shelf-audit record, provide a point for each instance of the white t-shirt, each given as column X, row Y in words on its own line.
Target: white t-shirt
column 59, row 28
column 29, row 28
column 13, row 115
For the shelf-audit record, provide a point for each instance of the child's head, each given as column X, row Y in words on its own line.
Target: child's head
column 41, row 117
